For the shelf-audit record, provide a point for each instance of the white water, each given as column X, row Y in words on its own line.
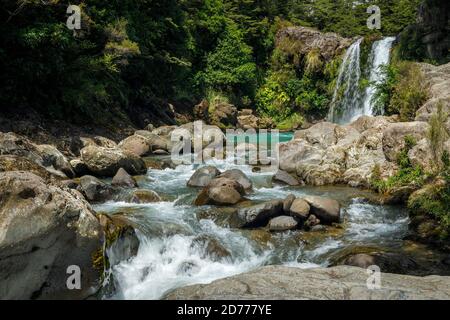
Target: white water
column 345, row 103
column 379, row 56
column 348, row 103
column 169, row 257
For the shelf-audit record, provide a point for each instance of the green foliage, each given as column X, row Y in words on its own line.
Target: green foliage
column 230, row 68
column 138, row 52
column 437, row 135
column 403, row 91
column 434, row 199
column 407, row 175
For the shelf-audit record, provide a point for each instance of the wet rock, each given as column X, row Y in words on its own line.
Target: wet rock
column 221, row 191
column 287, row 203
column 123, row 179
column 300, row 209
column 313, row 223
column 318, row 228
column 387, row 262
column 203, row 176
column 188, row 268
column 337, row 283
column 239, row 176
column 79, row 167
column 285, row 178
column 210, row 247
column 143, row 196
column 105, row 162
column 43, row 230
column 122, row 242
column 95, row 190
column 259, row 215
column 327, row 210
column 52, row 157
column 282, row 223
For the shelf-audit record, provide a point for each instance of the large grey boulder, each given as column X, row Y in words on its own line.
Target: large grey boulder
column 43, row 231
column 123, row 179
column 337, row 283
column 326, row 209
column 239, row 176
column 95, row 190
column 105, row 162
column 259, row 215
column 221, row 191
column 203, row 176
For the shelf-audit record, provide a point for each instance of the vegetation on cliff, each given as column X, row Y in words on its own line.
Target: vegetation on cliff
column 132, row 54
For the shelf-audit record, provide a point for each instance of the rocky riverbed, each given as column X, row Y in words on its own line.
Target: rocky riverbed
column 139, row 225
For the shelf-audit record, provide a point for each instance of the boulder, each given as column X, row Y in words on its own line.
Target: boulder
column 305, row 40
column 122, row 242
column 79, row 167
column 239, row 176
column 203, row 176
column 282, row 223
column 136, row 144
column 221, row 191
column 154, row 141
column 43, row 231
column 95, row 190
column 300, row 209
column 123, row 179
column 388, row 262
column 394, row 136
column 18, row 163
column 337, row 283
column 259, row 215
column 287, row 203
column 143, row 196
column 210, row 248
column 13, row 144
column 105, row 162
column 285, row 178
column 248, row 121
column 327, row 210
column 52, row 157
column 223, row 115
column 201, row 110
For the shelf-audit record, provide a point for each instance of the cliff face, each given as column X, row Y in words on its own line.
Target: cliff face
column 434, row 18
column 429, row 37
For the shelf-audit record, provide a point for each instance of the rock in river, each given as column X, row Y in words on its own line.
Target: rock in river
column 327, row 210
column 259, row 215
column 106, row 161
column 221, row 191
column 203, row 176
column 282, row 223
column 337, row 283
column 43, row 230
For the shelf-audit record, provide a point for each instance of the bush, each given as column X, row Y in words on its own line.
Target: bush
column 407, row 175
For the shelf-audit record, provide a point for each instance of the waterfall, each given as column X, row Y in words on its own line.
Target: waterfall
column 379, row 56
column 349, row 102
column 346, row 97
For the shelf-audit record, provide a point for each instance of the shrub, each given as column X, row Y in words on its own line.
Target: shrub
column 437, row 135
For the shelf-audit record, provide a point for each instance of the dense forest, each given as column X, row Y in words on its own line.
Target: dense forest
column 141, row 53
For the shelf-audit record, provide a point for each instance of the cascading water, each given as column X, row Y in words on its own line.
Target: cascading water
column 379, row 56
column 348, row 102
column 172, row 234
column 346, row 98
